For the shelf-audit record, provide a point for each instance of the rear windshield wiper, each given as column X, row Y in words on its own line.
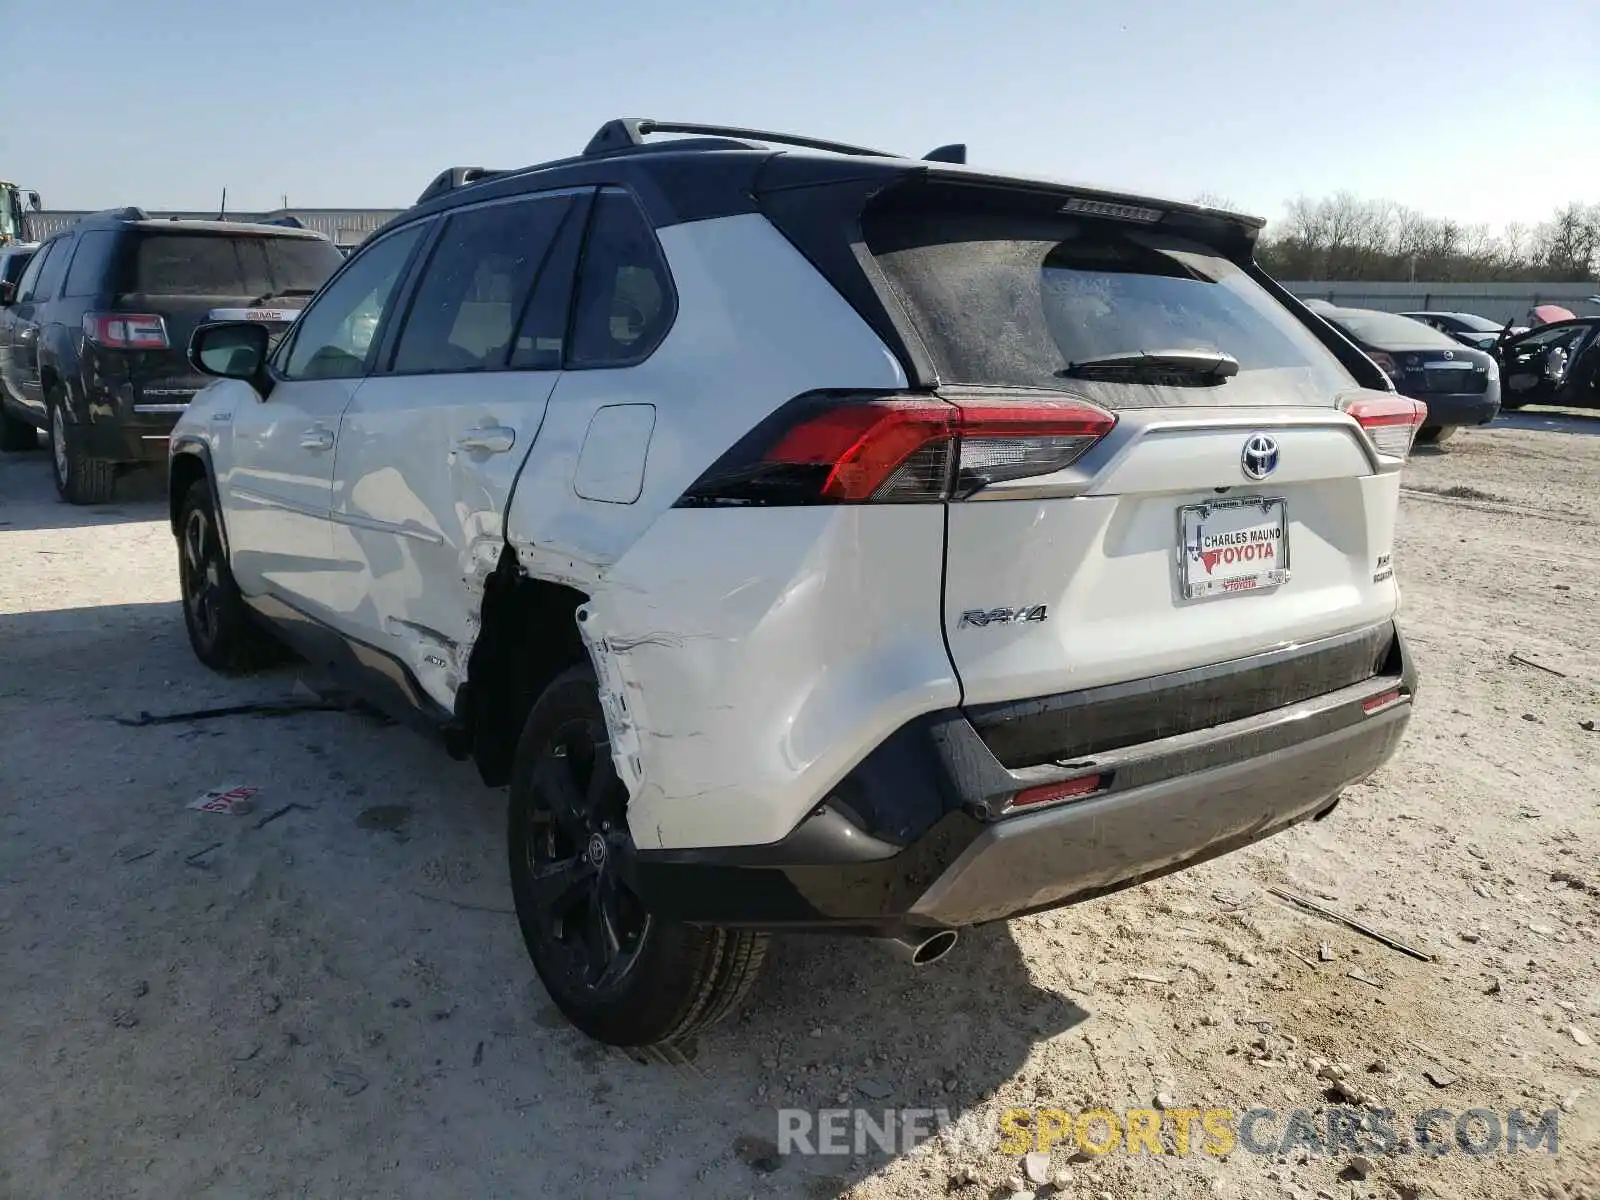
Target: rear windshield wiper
column 285, row 294
column 1156, row 366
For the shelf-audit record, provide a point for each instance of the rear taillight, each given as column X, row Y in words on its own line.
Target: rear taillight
column 126, row 331
column 1391, row 422
column 827, row 448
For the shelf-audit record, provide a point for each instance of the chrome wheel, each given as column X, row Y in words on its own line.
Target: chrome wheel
column 589, row 924
column 58, row 443
column 201, row 573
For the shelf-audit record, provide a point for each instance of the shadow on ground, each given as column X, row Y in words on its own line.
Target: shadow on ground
column 357, row 929
column 1549, row 420
column 28, row 498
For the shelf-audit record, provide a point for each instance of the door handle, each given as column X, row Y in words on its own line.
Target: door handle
column 316, row 438
column 492, row 439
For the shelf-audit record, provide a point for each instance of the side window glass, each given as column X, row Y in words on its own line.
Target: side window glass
column 475, row 285
column 88, row 269
column 625, row 302
column 542, row 336
column 333, row 338
column 28, row 284
column 55, row 268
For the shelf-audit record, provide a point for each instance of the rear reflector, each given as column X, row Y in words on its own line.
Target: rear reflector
column 1391, row 422
column 1083, row 786
column 824, row 448
column 126, row 331
column 1383, row 700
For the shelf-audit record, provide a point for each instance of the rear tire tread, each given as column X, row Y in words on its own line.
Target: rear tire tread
column 691, row 977
column 89, row 480
column 240, row 646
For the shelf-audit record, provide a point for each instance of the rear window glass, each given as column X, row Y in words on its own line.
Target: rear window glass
column 1013, row 300
column 235, row 266
column 1383, row 329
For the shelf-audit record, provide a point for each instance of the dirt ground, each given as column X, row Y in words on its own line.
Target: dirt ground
column 327, row 996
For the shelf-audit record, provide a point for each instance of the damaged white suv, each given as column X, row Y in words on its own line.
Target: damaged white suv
column 813, row 539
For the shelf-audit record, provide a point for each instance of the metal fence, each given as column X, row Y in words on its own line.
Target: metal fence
column 1496, row 301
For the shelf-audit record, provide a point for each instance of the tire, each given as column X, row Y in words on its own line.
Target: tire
column 1435, row 435
column 79, row 478
column 622, row 976
column 221, row 631
column 16, row 434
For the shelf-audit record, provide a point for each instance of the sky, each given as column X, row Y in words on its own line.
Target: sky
column 1474, row 110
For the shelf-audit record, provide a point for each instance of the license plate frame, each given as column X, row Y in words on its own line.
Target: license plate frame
column 1234, row 513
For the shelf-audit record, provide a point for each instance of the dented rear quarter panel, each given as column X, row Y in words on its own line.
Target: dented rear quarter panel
column 753, row 655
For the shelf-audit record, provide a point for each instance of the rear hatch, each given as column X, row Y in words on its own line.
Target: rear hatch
column 1216, row 495
column 172, row 280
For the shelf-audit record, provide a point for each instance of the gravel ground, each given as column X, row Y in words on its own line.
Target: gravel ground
column 327, row 996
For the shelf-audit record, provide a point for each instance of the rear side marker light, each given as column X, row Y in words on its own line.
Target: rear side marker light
column 1391, row 422
column 126, row 331
column 1383, row 700
column 1085, row 785
column 898, row 449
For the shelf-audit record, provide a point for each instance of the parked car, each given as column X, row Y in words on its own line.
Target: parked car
column 15, row 434
column 813, row 539
column 1467, row 328
column 1459, row 385
column 1553, row 364
column 93, row 334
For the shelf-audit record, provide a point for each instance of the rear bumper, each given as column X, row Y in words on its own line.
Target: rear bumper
column 1168, row 804
column 141, row 441
column 133, row 423
column 1466, row 409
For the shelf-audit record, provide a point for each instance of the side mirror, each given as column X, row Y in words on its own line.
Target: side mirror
column 8, row 293
column 33, row 198
column 230, row 349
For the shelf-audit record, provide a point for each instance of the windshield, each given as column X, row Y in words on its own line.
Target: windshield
column 1478, row 324
column 1014, row 301
column 234, row 265
column 1386, row 330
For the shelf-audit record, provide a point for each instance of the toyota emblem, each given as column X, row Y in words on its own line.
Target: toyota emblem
column 1260, row 457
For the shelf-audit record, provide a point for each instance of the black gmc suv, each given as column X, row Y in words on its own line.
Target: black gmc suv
column 94, row 335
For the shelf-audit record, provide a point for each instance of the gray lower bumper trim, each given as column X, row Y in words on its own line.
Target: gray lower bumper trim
column 1058, row 855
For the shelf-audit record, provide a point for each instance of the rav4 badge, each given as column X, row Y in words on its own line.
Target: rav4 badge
column 984, row 617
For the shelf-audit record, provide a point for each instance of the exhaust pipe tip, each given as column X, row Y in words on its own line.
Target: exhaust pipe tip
column 935, row 948
column 920, row 952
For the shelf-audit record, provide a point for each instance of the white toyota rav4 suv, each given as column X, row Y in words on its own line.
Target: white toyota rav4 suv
column 813, row 539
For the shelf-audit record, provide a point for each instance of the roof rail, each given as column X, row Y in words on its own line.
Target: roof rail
column 455, row 177
column 628, row 133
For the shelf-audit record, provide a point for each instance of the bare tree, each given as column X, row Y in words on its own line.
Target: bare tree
column 1346, row 237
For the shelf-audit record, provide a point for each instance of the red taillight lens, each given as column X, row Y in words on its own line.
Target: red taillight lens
column 874, row 447
column 823, row 449
column 126, row 331
column 1391, row 422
